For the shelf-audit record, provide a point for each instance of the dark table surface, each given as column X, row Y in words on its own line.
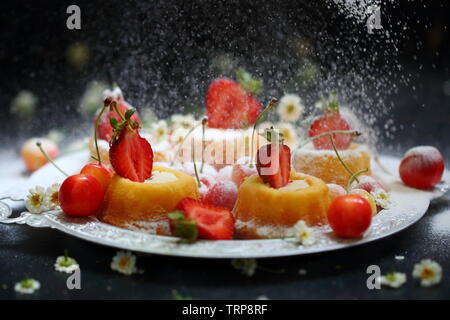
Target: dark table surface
column 333, row 275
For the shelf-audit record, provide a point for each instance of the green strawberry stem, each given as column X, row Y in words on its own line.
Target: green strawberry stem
column 272, row 103
column 251, row 85
column 204, row 122
column 106, row 103
column 353, row 133
column 39, row 145
column 181, row 144
column 199, row 184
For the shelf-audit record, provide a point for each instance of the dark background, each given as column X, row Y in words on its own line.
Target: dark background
column 161, row 54
column 164, row 55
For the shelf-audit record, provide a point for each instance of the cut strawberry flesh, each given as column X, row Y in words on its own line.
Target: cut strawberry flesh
column 131, row 156
column 213, row 223
column 273, row 163
column 331, row 121
column 229, row 106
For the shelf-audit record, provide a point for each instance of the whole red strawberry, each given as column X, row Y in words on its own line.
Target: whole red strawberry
column 273, row 162
column 231, row 105
column 331, row 120
column 130, row 155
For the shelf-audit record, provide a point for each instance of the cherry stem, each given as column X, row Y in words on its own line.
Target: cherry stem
column 114, row 105
column 106, row 103
column 39, row 145
column 353, row 177
column 342, row 161
column 271, row 104
column 181, row 144
column 195, row 165
column 353, row 133
column 204, row 122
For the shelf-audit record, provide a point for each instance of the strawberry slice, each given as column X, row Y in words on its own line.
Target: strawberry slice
column 229, row 106
column 213, row 223
column 104, row 130
column 131, row 156
column 330, row 121
column 273, row 163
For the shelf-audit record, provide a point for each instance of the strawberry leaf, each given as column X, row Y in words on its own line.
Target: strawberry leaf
column 129, row 113
column 183, row 228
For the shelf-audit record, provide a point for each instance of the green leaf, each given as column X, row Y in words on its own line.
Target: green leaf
column 129, row 113
column 252, row 85
column 114, row 123
column 176, row 215
column 183, row 228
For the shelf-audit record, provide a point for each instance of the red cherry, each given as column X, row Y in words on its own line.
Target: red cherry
column 368, row 184
column 422, row 167
column 349, row 216
column 81, row 195
column 222, row 194
column 102, row 172
column 330, row 121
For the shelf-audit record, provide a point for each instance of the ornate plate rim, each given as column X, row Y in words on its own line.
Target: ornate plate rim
column 168, row 246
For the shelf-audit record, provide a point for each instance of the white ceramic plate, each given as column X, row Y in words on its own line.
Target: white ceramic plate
column 407, row 206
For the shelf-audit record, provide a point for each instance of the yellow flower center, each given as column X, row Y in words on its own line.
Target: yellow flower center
column 427, row 273
column 54, row 198
column 290, row 108
column 36, row 200
column 123, row 263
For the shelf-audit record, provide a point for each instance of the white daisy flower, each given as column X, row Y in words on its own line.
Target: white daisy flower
column 178, row 135
column 288, row 132
column 393, row 279
column 35, row 201
column 381, row 197
column 27, row 286
column 66, row 264
column 51, row 196
column 303, row 233
column 183, row 121
column 124, row 262
column 246, row 266
column 159, row 131
column 290, row 108
column 24, row 104
column 429, row 271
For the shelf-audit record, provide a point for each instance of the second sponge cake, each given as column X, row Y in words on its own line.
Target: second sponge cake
column 263, row 212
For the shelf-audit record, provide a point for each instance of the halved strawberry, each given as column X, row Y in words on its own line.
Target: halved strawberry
column 131, row 156
column 104, row 129
column 273, row 163
column 229, row 106
column 213, row 223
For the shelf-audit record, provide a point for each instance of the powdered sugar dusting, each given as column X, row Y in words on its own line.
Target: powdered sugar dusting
column 426, row 153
